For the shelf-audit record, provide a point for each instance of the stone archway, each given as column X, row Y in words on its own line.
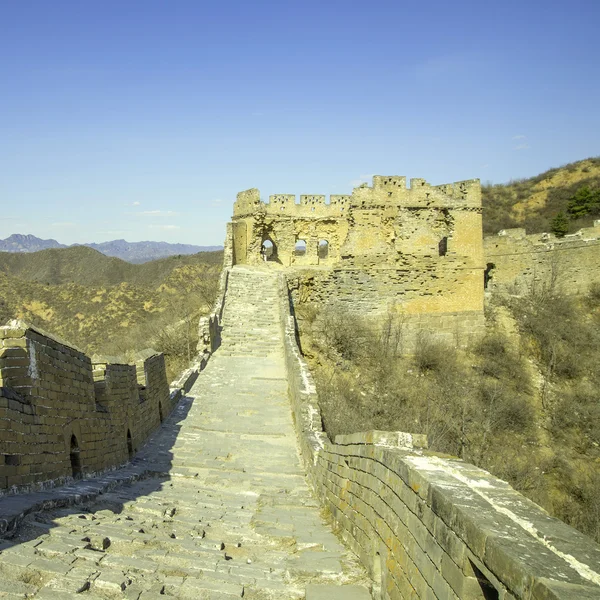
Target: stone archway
column 75, row 458
column 129, row 445
column 268, row 250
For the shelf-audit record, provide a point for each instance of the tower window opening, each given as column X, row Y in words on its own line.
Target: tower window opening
column 323, row 249
column 75, row 458
column 268, row 250
column 443, row 246
column 300, row 248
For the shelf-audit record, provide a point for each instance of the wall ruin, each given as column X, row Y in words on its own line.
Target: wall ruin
column 427, row 525
column 518, row 263
column 63, row 415
column 414, row 251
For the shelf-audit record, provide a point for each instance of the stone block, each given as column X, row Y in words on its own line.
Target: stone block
column 549, row 589
column 336, row 592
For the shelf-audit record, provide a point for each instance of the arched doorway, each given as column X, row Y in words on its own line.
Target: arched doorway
column 268, row 250
column 129, row 444
column 323, row 249
column 75, row 458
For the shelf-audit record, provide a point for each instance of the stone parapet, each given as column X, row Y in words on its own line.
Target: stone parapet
column 432, row 526
column 209, row 327
column 64, row 416
column 518, row 263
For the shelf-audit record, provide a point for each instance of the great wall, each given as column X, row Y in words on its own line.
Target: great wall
column 116, row 485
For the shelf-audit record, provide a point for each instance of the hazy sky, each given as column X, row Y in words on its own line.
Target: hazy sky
column 141, row 119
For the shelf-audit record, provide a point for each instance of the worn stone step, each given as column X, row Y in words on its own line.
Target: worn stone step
column 232, row 513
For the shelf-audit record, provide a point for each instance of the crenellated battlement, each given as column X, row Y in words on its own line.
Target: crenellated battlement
column 379, row 224
column 387, row 190
column 307, row 205
column 393, row 190
column 388, row 182
column 340, row 200
column 91, row 413
column 247, row 202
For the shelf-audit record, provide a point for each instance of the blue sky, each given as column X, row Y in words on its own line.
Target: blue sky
column 141, row 119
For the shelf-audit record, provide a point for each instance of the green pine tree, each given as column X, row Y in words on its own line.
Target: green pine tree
column 583, row 202
column 559, row 225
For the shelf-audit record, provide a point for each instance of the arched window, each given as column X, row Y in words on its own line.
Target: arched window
column 75, row 458
column 268, row 250
column 323, row 249
column 300, row 248
column 487, row 274
column 443, row 246
column 129, row 444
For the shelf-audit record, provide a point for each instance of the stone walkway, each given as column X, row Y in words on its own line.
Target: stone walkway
column 228, row 514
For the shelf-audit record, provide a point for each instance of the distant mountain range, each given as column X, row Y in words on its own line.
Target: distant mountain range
column 133, row 252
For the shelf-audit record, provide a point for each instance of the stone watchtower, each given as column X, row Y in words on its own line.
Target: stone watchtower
column 416, row 251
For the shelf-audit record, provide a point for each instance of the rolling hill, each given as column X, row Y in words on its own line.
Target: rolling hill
column 89, row 267
column 107, row 306
column 133, row 252
column 533, row 203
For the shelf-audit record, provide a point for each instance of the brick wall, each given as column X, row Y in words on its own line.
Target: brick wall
column 433, row 301
column 431, row 526
column 209, row 328
column 518, row 263
column 415, row 252
column 63, row 415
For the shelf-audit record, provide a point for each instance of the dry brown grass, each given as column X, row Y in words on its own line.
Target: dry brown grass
column 481, row 404
column 120, row 318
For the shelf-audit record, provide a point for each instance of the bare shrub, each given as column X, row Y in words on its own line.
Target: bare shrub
column 504, row 410
column 500, row 361
column 578, row 413
column 432, row 354
column 593, row 297
column 344, row 334
column 580, row 505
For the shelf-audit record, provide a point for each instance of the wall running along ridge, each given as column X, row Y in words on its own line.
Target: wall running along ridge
column 209, row 328
column 518, row 263
column 414, row 253
column 53, row 395
column 62, row 415
column 428, row 526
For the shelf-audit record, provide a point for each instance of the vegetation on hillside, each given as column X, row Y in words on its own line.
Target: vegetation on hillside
column 534, row 203
column 107, row 306
column 522, row 403
column 88, row 267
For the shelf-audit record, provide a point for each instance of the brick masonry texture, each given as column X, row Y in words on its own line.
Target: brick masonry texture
column 430, row 526
column 518, row 263
column 63, row 415
column 415, row 252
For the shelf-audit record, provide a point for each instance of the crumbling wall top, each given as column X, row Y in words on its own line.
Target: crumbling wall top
column 387, row 190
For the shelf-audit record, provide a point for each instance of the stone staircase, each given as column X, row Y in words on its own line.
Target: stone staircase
column 251, row 322
column 228, row 514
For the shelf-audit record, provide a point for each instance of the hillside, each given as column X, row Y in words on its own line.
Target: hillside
column 133, row 252
column 533, row 203
column 88, row 267
column 141, row 252
column 107, row 306
column 522, row 403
